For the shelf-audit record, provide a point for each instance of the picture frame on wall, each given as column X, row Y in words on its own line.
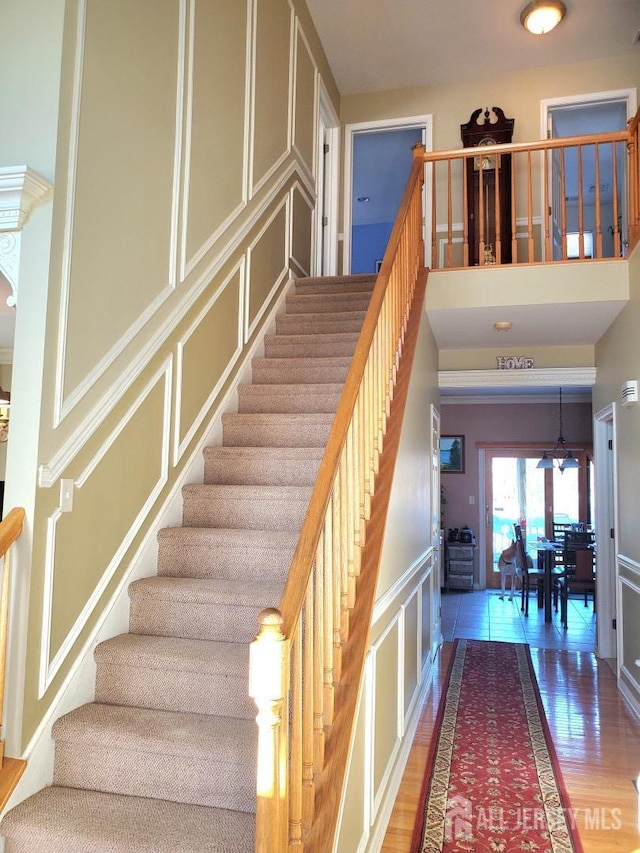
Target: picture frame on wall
column 452, row 454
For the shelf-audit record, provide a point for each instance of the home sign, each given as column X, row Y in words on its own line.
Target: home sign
column 514, row 362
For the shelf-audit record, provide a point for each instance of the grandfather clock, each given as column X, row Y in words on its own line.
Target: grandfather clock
column 488, row 182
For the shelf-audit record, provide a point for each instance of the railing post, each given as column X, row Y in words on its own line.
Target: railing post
column 268, row 687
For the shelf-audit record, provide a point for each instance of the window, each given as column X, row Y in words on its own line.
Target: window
column 573, row 244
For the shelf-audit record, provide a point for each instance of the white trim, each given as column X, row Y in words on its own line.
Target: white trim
column 176, row 255
column 383, row 604
column 50, row 471
column 584, row 377
column 606, row 516
column 327, row 184
column 49, row 668
column 300, row 36
column 633, row 567
column 284, row 272
column 181, row 446
column 586, row 99
column 502, row 398
column 21, row 189
column 187, row 265
column 397, row 623
column 420, row 121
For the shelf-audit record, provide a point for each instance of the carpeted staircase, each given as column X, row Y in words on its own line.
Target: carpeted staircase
column 164, row 760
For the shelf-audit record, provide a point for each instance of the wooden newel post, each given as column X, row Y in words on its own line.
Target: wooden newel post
column 268, row 687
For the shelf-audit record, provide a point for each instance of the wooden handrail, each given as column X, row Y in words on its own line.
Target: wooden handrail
column 297, row 666
column 511, row 224
column 10, row 529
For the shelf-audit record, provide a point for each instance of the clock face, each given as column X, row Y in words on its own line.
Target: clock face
column 485, row 162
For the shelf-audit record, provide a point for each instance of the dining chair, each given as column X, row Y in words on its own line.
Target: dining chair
column 531, row 577
column 582, row 580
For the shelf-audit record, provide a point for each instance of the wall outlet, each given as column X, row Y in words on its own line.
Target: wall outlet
column 472, row 499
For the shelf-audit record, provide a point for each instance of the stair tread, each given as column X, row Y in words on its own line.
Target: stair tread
column 150, row 730
column 283, row 453
column 257, row 493
column 174, row 653
column 206, row 536
column 208, row 590
column 311, row 361
column 72, row 820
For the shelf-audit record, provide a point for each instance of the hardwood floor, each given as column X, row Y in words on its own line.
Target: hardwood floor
column 596, row 735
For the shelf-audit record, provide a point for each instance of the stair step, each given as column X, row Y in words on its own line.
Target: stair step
column 276, row 430
column 321, row 303
column 272, row 371
column 201, row 552
column 336, row 283
column 262, row 466
column 69, row 820
column 143, row 752
column 173, row 674
column 257, row 508
column 289, row 398
column 200, row 609
column 315, row 346
column 301, row 324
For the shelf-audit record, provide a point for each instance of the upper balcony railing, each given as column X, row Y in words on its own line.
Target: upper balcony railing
column 573, row 198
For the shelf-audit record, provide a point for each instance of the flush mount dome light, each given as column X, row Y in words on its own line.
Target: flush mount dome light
column 502, row 326
column 541, row 16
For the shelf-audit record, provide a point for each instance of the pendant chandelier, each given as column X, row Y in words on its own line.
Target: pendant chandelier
column 560, row 454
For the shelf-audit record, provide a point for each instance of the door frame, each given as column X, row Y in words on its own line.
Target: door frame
column 327, row 186
column 606, row 517
column 587, row 99
column 425, row 122
column 516, row 450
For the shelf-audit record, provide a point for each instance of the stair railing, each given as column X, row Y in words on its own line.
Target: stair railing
column 297, row 658
column 571, row 198
column 10, row 529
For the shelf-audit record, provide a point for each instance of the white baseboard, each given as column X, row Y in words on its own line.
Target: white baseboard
column 78, row 687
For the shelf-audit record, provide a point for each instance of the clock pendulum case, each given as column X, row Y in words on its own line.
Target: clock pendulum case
column 488, row 189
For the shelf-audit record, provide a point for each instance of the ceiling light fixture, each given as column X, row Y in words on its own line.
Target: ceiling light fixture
column 560, row 454
column 502, row 326
column 541, row 16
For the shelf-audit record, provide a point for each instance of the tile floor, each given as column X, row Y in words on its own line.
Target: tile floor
column 483, row 615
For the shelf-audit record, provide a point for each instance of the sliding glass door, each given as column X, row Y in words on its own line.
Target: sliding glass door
column 518, row 492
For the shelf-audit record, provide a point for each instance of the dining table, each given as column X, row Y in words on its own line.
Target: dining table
column 547, row 551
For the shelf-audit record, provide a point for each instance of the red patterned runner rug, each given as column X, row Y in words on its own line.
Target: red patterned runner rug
column 493, row 782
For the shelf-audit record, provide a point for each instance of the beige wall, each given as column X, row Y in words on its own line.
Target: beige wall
column 618, row 360
column 184, row 181
column 518, row 94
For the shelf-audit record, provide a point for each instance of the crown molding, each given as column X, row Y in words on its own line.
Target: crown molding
column 20, row 190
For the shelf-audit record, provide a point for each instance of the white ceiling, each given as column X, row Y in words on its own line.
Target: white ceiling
column 380, row 44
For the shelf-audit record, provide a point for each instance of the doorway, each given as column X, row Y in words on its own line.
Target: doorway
column 518, row 492
column 327, row 172
column 580, row 212
column 378, row 158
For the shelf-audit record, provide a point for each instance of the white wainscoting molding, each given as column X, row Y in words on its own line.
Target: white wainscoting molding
column 181, row 446
column 49, row 668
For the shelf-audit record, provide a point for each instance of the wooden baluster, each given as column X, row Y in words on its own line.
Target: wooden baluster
column 319, row 651
column 465, row 216
column 580, row 205
column 434, row 221
column 598, row 205
column 563, row 203
column 330, row 663
column 449, row 217
column 296, row 741
column 548, row 251
column 530, row 244
column 614, row 179
column 514, row 233
column 268, row 685
column 307, row 637
column 634, row 204
column 4, row 626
